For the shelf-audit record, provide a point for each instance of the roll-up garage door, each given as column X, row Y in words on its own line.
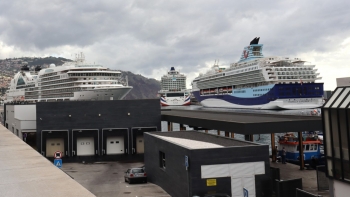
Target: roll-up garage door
column 115, row 145
column 85, row 146
column 53, row 145
column 140, row 147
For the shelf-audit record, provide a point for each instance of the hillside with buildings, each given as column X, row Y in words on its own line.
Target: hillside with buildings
column 143, row 87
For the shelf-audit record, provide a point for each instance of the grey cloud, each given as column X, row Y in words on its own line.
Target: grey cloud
column 142, row 36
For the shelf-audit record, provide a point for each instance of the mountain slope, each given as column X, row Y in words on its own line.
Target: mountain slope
column 143, row 88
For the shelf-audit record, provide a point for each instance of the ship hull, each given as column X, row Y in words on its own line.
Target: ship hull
column 102, row 94
column 95, row 94
column 175, row 101
column 270, row 98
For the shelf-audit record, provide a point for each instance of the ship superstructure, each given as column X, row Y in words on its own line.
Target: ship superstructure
column 260, row 82
column 173, row 89
column 75, row 80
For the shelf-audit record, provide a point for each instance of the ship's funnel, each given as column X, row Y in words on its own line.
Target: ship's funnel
column 253, row 51
column 25, row 67
column 37, row 68
column 255, row 41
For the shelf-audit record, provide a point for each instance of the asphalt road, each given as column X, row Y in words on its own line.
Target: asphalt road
column 105, row 179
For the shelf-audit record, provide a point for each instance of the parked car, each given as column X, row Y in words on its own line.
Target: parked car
column 135, row 174
column 143, row 167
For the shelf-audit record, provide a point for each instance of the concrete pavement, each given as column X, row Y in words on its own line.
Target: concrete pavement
column 291, row 171
column 106, row 179
column 26, row 173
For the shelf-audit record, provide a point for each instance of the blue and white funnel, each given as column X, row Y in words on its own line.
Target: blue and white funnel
column 253, row 51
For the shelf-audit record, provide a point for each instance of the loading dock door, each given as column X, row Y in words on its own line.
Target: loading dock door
column 85, row 146
column 115, row 145
column 140, row 147
column 53, row 145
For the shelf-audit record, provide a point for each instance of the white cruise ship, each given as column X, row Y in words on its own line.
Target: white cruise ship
column 259, row 82
column 173, row 89
column 72, row 81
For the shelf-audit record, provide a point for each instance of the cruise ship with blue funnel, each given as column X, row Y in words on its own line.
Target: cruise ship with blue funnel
column 258, row 82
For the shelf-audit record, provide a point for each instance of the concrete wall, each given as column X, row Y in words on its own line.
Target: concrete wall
column 176, row 181
column 229, row 155
column 341, row 82
column 20, row 118
column 84, row 115
column 25, row 112
column 340, row 188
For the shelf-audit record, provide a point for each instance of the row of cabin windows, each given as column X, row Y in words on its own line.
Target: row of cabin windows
column 61, row 90
column 299, row 93
column 99, row 83
column 57, row 96
column 303, row 88
column 257, row 90
column 295, row 73
column 58, row 81
column 50, row 78
column 177, row 78
column 93, row 74
column 238, row 71
column 26, row 86
column 295, row 77
column 245, row 65
column 245, row 70
column 173, row 82
column 49, row 74
column 291, row 69
column 58, row 86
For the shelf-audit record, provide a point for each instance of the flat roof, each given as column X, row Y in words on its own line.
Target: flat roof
column 25, row 172
column 243, row 123
column 199, row 140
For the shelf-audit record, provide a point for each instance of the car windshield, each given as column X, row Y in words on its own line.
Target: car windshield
column 137, row 170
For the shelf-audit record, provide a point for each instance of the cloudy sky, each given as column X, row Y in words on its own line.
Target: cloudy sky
column 148, row 37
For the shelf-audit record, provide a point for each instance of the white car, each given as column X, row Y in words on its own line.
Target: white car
column 135, row 174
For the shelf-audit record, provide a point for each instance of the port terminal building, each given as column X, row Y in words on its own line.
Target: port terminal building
column 336, row 116
column 85, row 130
column 190, row 163
column 124, row 129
